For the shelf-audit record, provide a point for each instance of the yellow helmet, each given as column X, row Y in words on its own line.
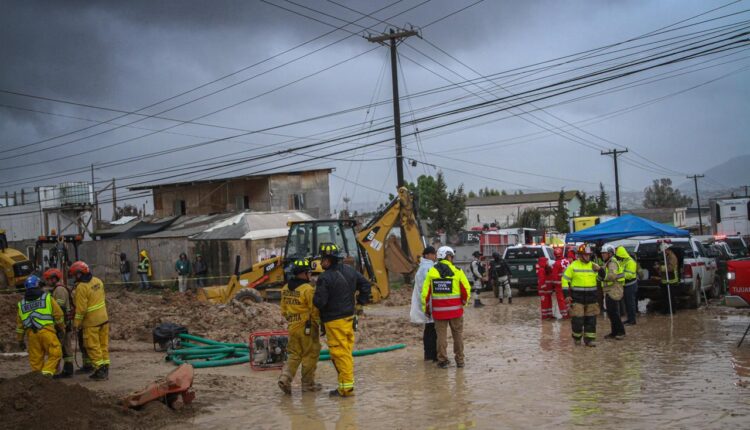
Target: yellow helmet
column 301, row 266
column 328, row 249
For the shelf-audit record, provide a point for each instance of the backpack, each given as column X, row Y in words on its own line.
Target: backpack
column 166, row 335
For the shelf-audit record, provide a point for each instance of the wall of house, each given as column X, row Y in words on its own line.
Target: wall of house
column 506, row 215
column 313, row 186
column 216, row 197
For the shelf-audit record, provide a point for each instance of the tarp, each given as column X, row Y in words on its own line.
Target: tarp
column 624, row 227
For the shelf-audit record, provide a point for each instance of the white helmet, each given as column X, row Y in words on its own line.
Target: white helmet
column 444, row 251
column 609, row 249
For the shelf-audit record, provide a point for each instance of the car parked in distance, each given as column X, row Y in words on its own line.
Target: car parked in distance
column 522, row 260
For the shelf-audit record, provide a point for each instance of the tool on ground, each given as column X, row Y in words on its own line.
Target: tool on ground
column 173, row 390
column 166, row 335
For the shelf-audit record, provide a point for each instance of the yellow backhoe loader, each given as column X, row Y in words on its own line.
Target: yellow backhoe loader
column 15, row 267
column 370, row 251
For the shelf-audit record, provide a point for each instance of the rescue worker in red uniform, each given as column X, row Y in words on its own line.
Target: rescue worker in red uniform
column 555, row 279
column 544, row 288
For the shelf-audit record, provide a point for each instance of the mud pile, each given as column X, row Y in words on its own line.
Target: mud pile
column 377, row 331
column 32, row 400
column 8, row 312
column 399, row 297
column 133, row 316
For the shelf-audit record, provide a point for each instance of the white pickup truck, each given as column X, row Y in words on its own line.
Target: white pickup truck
column 697, row 270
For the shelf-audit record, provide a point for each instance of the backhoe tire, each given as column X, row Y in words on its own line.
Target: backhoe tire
column 715, row 291
column 3, row 280
column 248, row 295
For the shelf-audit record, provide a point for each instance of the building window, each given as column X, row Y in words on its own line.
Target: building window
column 296, row 201
column 242, row 203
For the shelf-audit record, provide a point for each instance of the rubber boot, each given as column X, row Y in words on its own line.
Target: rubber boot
column 67, row 371
column 478, row 303
column 285, row 384
column 510, row 300
column 311, row 387
column 85, row 369
column 501, row 300
column 99, row 374
column 106, row 371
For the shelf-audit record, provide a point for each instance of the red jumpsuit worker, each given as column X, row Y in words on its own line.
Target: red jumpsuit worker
column 555, row 279
column 544, row 288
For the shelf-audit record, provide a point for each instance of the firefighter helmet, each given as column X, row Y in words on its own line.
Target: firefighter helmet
column 583, row 249
column 78, row 268
column 301, row 266
column 50, row 273
column 31, row 282
column 328, row 249
column 609, row 249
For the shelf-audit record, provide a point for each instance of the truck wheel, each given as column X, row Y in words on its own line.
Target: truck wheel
column 248, row 295
column 695, row 298
column 715, row 290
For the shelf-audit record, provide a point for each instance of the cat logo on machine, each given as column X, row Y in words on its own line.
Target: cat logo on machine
column 371, row 235
column 269, row 267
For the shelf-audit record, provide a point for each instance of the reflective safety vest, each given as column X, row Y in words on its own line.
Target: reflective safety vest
column 580, row 277
column 144, row 265
column 445, row 291
column 36, row 314
column 619, row 276
column 630, row 269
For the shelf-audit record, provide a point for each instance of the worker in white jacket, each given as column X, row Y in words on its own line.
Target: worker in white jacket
column 429, row 256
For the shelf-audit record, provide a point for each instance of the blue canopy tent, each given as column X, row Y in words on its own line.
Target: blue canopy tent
column 624, row 227
column 627, row 226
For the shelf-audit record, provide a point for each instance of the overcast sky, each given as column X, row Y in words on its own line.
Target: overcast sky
column 126, row 56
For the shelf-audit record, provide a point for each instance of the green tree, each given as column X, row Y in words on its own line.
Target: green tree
column 561, row 215
column 530, row 218
column 472, row 194
column 601, row 201
column 661, row 195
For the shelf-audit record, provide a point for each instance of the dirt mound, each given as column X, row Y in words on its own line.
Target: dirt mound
column 383, row 331
column 399, row 297
column 133, row 316
column 32, row 398
column 8, row 312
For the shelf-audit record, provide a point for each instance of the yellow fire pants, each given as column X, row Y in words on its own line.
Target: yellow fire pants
column 303, row 349
column 96, row 340
column 340, row 336
column 40, row 344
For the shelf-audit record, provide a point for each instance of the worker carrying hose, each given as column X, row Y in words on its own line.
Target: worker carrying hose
column 91, row 315
column 303, row 324
column 39, row 319
column 335, row 296
column 64, row 298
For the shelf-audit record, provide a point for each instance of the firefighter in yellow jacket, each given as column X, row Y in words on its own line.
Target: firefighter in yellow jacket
column 303, row 322
column 40, row 319
column 91, row 315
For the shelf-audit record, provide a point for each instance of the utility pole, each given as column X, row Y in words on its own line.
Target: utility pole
column 393, row 37
column 614, row 154
column 96, row 200
column 114, row 200
column 698, row 200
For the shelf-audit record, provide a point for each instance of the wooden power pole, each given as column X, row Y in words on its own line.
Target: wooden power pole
column 392, row 38
column 614, row 154
column 698, row 201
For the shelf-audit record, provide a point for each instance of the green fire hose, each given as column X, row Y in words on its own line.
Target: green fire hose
column 202, row 353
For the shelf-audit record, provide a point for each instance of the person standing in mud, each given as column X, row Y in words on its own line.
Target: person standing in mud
column 335, row 297
column 579, row 283
column 144, row 269
column 429, row 337
column 500, row 274
column 445, row 292
column 182, row 267
column 303, row 325
column 64, row 298
column 124, row 270
column 91, row 316
column 612, row 277
column 200, row 270
column 39, row 318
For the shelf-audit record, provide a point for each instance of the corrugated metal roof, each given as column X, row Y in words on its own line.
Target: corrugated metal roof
column 188, row 225
column 251, row 225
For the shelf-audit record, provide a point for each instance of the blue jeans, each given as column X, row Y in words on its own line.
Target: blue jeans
column 631, row 301
column 144, row 281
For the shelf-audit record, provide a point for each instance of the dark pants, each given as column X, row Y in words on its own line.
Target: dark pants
column 665, row 297
column 430, row 342
column 631, row 301
column 144, row 281
column 613, row 312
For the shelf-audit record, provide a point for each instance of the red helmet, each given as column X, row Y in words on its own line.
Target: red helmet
column 78, row 268
column 558, row 253
column 50, row 273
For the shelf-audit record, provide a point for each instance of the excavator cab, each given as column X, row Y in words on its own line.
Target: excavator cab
column 305, row 237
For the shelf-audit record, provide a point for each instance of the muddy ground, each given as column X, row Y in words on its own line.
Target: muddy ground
column 681, row 372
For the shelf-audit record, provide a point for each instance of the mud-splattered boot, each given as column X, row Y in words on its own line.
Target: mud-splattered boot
column 285, row 384
column 311, row 387
column 99, row 374
column 67, row 371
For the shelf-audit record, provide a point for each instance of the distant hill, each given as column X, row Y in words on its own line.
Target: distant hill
column 733, row 173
